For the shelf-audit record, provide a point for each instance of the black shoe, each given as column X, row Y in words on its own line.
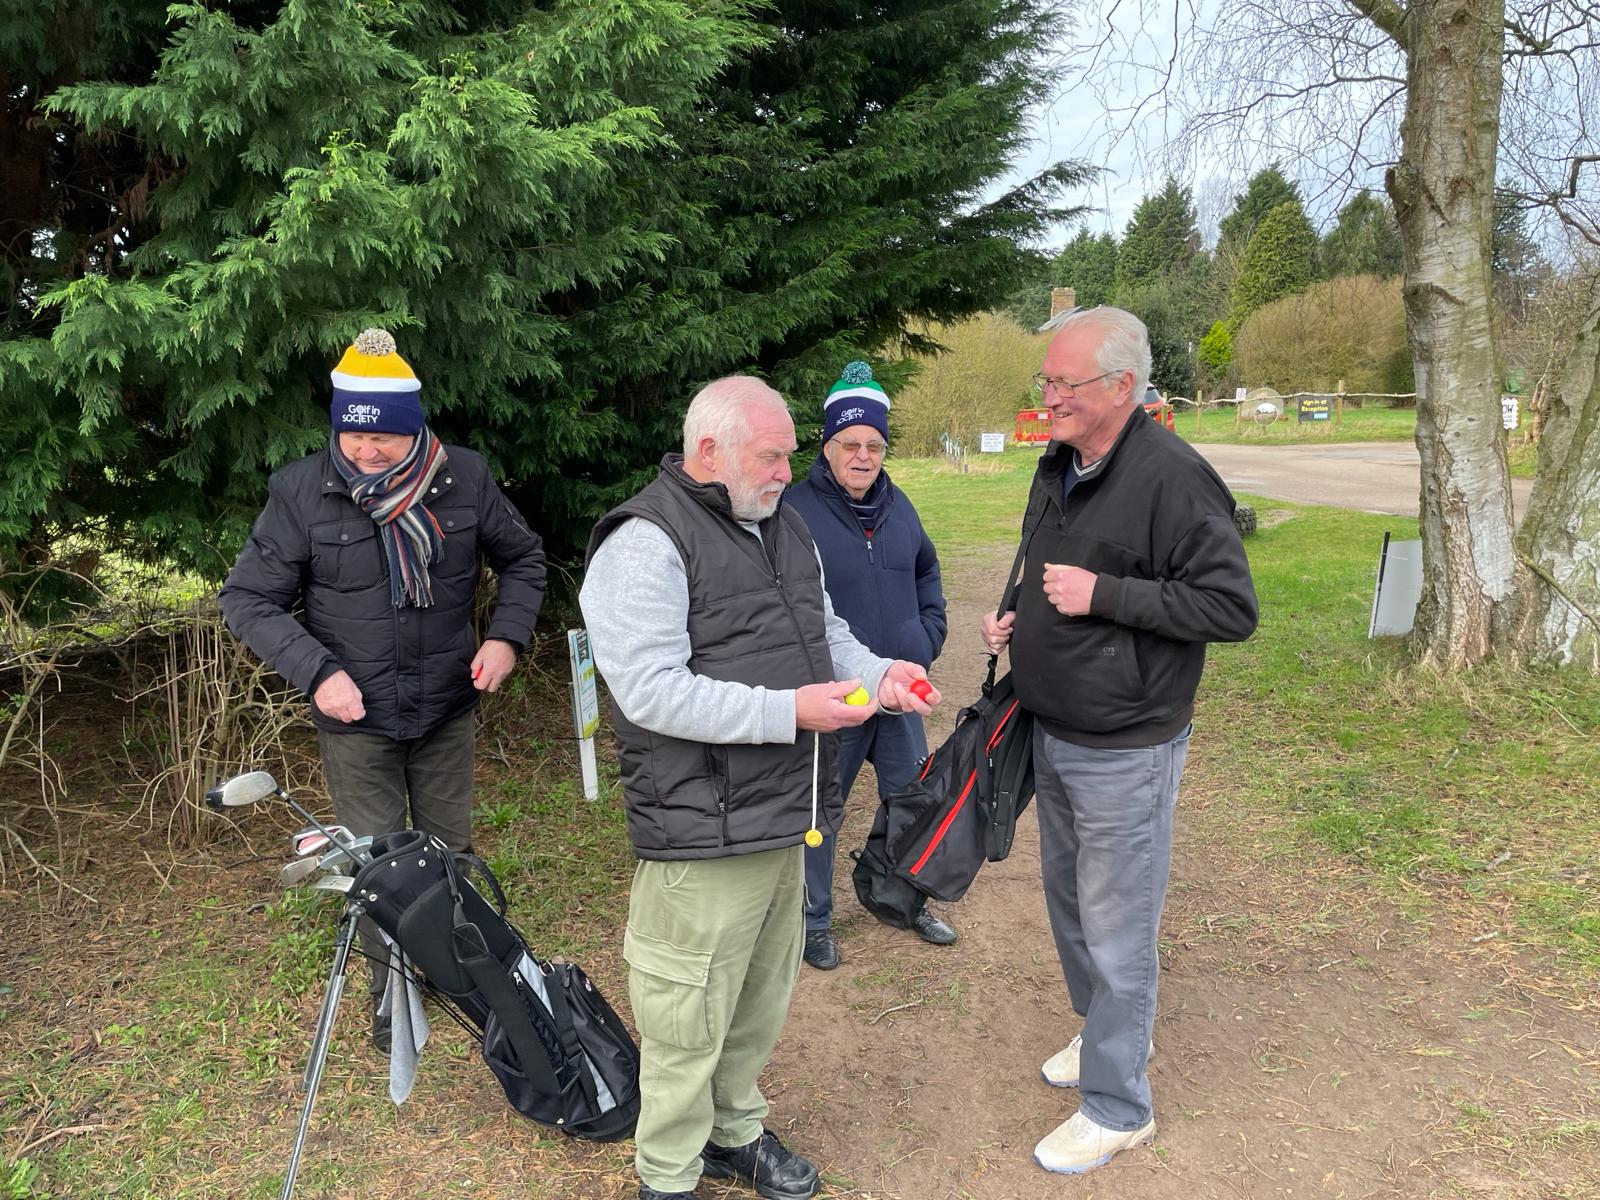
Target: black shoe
column 646, row 1192
column 821, row 951
column 930, row 929
column 382, row 1029
column 766, row 1164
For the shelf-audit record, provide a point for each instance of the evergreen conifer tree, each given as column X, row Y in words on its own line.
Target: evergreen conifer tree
column 1267, row 189
column 1280, row 260
column 1364, row 240
column 1088, row 263
column 569, row 214
column 1160, row 239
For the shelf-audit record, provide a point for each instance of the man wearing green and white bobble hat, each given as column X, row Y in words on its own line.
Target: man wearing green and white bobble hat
column 882, row 576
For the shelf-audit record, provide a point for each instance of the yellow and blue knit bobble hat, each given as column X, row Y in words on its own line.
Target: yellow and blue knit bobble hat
column 374, row 390
column 855, row 400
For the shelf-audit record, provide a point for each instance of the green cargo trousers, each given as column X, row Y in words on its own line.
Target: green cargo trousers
column 713, row 949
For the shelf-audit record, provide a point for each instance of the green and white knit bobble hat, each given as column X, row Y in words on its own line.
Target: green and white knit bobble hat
column 857, row 399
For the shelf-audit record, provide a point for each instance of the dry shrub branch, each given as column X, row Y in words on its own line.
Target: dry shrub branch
column 195, row 706
column 29, row 670
column 211, row 710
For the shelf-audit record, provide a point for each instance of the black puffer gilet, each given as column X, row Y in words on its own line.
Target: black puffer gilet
column 755, row 617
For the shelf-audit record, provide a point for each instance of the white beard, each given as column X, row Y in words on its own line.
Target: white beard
column 749, row 504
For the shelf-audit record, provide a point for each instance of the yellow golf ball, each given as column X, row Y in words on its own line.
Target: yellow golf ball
column 813, row 838
column 859, row 696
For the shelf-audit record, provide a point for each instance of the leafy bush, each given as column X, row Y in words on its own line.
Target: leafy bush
column 1216, row 349
column 983, row 376
column 1351, row 328
column 1280, row 260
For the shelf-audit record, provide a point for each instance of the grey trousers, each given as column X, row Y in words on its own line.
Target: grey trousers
column 1105, row 849
column 713, row 949
column 376, row 783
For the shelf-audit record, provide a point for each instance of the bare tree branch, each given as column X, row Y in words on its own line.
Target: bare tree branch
column 1387, row 16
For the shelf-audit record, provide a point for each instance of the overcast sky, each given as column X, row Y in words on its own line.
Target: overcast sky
column 1125, row 71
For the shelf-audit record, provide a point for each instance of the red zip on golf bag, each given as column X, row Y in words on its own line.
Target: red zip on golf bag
column 561, row 1054
column 930, row 838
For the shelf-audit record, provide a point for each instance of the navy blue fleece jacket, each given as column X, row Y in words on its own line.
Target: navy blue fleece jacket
column 886, row 586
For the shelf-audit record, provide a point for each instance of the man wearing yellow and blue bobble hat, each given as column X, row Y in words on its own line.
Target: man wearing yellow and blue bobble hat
column 378, row 538
column 883, row 578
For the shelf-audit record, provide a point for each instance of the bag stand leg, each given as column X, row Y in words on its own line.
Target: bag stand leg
column 319, row 1043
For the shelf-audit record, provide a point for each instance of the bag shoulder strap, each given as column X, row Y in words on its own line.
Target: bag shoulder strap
column 493, row 981
column 476, row 865
column 1013, row 584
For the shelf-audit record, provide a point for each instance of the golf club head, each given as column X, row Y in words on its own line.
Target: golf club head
column 312, row 840
column 297, row 871
column 242, row 789
column 347, row 854
column 332, row 883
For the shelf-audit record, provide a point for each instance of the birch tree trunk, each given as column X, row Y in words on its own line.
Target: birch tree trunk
column 1443, row 193
column 1560, row 534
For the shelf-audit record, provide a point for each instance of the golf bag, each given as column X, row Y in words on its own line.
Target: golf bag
column 930, row 839
column 562, row 1055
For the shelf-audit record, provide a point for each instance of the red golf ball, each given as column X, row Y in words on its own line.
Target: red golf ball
column 922, row 690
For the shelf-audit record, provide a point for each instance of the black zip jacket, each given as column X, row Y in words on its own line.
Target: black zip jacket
column 1155, row 523
column 313, row 548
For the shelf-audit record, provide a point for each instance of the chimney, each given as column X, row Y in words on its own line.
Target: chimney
column 1062, row 299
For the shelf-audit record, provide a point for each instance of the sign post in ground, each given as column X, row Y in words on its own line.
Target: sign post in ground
column 585, row 707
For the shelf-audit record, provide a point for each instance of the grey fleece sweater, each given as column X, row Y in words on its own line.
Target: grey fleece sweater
column 635, row 601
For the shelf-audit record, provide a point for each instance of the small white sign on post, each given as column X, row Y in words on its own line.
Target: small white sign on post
column 585, row 707
column 1238, row 395
column 1510, row 411
column 991, row 443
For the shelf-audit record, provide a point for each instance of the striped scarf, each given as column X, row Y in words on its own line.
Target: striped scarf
column 411, row 537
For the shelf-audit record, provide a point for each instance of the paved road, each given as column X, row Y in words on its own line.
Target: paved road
column 1382, row 477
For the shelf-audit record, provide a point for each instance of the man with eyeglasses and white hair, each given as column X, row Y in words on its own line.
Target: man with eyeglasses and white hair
column 883, row 578
column 1132, row 564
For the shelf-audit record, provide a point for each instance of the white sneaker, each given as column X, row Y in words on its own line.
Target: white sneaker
column 1078, row 1145
column 1061, row 1068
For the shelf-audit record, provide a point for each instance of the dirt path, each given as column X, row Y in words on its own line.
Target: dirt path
column 1305, row 1046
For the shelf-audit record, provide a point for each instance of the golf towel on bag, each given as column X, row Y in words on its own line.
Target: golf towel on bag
column 930, row 838
column 560, row 1053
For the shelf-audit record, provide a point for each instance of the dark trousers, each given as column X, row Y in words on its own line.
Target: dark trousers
column 377, row 783
column 895, row 745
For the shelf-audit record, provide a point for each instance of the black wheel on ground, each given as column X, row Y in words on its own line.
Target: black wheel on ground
column 1244, row 519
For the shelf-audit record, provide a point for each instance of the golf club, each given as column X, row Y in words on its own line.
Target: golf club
column 247, row 789
column 346, row 855
column 297, row 871
column 254, row 786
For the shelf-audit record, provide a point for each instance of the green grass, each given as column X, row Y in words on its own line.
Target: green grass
column 1476, row 790
column 1366, row 424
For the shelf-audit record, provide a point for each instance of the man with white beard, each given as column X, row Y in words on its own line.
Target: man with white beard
column 728, row 672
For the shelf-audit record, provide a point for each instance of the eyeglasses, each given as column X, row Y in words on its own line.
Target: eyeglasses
column 1064, row 387
column 851, row 449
